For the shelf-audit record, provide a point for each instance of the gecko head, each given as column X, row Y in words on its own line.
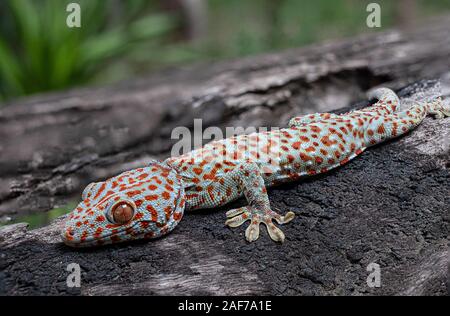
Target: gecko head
column 141, row 203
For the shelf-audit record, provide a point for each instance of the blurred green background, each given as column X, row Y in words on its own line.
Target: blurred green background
column 121, row 39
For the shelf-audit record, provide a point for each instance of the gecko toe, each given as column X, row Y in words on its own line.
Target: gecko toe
column 274, row 232
column 283, row 219
column 234, row 212
column 252, row 232
column 288, row 217
column 237, row 220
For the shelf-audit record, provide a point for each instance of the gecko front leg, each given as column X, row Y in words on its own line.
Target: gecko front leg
column 249, row 180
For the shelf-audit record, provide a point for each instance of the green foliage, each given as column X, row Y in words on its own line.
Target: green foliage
column 278, row 24
column 42, row 218
column 124, row 38
column 38, row 52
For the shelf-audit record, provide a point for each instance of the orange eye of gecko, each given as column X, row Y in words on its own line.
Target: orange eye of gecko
column 122, row 212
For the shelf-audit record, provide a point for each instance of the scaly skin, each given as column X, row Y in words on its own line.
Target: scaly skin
column 224, row 170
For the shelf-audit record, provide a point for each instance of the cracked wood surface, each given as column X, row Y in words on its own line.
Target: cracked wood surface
column 388, row 206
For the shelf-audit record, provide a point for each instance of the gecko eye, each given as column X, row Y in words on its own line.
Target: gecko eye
column 122, row 212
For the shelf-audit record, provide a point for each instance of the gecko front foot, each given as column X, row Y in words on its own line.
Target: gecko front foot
column 238, row 216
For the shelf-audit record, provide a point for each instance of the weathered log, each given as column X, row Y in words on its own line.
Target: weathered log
column 389, row 206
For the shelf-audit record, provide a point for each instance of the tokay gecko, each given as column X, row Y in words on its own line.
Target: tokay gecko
column 149, row 202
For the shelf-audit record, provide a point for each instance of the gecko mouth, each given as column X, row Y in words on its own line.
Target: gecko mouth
column 76, row 239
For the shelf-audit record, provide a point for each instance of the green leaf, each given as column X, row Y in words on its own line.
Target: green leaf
column 29, row 25
column 152, row 26
column 10, row 70
column 100, row 47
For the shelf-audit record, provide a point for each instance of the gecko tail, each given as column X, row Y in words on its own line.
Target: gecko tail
column 423, row 92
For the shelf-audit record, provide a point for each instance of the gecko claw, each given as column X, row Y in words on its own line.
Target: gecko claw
column 236, row 217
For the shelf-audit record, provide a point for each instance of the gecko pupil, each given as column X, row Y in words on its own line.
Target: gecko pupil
column 122, row 213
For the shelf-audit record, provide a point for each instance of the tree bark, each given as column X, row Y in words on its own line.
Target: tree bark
column 389, row 206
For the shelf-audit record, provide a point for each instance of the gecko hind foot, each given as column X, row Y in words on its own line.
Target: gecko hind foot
column 440, row 114
column 236, row 217
column 438, row 110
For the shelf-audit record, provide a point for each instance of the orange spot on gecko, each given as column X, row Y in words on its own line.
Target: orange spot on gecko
column 296, row 145
column 381, row 129
column 102, row 187
column 142, row 176
column 177, row 216
column 166, row 195
column 305, row 157
column 304, row 138
column 290, row 158
column 153, row 212
column 315, row 129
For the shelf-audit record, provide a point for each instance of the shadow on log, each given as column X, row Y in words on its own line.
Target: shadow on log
column 388, row 206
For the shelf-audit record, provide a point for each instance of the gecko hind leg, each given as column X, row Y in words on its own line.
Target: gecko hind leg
column 437, row 109
column 248, row 178
column 388, row 102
